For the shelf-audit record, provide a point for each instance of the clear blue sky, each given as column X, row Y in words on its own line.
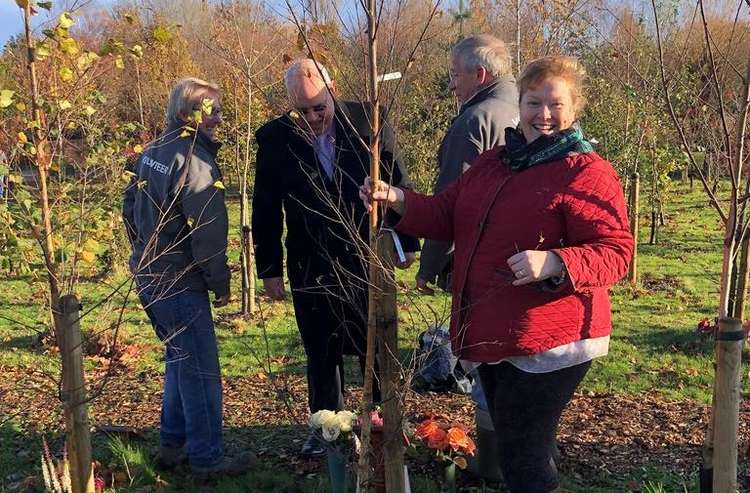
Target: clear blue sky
column 11, row 21
column 11, row 17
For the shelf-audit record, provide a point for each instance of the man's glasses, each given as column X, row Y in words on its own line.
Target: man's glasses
column 319, row 108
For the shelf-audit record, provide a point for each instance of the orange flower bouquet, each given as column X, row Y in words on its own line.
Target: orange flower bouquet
column 451, row 444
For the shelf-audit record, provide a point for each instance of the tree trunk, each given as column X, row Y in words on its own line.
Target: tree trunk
column 139, row 93
column 247, row 254
column 43, row 235
column 365, row 469
column 518, row 37
column 740, row 299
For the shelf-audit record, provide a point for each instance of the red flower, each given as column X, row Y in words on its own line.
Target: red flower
column 431, row 432
column 438, row 439
column 704, row 326
column 459, row 441
column 426, row 428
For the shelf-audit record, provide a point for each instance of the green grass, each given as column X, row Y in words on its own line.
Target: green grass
column 654, row 347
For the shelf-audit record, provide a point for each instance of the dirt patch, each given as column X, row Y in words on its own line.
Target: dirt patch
column 668, row 284
column 600, row 434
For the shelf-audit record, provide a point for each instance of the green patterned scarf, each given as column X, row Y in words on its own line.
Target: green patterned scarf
column 520, row 156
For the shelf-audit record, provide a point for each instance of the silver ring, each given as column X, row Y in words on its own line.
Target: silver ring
column 520, row 273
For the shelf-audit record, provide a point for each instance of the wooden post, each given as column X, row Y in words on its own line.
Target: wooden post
column 390, row 370
column 654, row 199
column 730, row 339
column 73, row 395
column 635, row 193
column 246, row 258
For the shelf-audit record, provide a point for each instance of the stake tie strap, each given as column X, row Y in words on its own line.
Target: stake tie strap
column 396, row 243
column 732, row 335
column 736, row 332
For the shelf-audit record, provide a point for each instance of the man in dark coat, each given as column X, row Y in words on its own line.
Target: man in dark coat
column 310, row 164
column 482, row 80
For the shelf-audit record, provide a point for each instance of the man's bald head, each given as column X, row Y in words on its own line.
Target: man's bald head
column 307, row 87
column 304, row 70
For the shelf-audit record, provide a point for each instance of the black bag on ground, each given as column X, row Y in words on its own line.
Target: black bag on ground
column 438, row 370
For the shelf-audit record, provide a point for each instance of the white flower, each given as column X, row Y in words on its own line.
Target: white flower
column 316, row 420
column 346, row 420
column 329, row 419
column 331, row 433
column 332, row 424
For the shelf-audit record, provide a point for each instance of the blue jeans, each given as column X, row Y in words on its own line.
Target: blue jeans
column 191, row 405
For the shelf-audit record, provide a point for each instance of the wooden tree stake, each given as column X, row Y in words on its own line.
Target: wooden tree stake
column 73, row 395
column 390, row 371
column 730, row 340
column 635, row 192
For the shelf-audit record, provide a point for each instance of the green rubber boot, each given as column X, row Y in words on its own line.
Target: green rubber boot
column 487, row 460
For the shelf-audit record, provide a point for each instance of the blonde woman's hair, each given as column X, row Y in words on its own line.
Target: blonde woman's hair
column 186, row 96
column 567, row 68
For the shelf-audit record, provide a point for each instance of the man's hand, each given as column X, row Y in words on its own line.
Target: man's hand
column 274, row 287
column 222, row 300
column 410, row 258
column 534, row 266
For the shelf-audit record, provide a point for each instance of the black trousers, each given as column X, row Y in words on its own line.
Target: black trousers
column 526, row 409
column 332, row 321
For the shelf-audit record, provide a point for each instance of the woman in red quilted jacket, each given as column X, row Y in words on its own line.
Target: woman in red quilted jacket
column 541, row 233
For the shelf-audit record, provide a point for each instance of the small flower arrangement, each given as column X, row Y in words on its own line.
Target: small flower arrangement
column 451, row 444
column 333, row 424
column 449, row 440
column 337, row 428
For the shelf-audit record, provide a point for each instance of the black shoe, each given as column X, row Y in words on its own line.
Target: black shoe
column 229, row 466
column 313, row 447
column 169, row 457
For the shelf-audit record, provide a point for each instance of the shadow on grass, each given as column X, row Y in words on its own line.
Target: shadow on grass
column 19, row 453
column 127, row 460
column 676, row 340
column 279, row 467
column 29, row 342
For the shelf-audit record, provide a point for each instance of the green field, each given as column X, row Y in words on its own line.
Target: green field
column 659, row 372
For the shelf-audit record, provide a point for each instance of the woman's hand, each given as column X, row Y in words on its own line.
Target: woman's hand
column 381, row 191
column 534, row 266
